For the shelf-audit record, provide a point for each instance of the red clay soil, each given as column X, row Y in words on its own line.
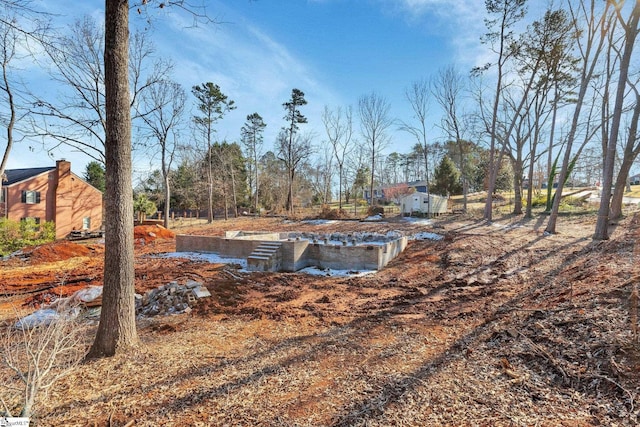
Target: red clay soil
column 496, row 324
column 148, row 233
column 57, row 251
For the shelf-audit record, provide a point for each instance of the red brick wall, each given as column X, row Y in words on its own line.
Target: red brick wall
column 19, row 210
column 64, row 198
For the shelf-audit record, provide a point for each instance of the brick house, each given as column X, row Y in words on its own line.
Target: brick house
column 51, row 194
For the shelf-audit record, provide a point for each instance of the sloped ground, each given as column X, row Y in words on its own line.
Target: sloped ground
column 493, row 325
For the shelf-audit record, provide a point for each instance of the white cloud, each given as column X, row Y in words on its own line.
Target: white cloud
column 462, row 21
column 249, row 65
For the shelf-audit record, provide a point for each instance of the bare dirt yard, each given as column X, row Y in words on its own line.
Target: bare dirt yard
column 493, row 325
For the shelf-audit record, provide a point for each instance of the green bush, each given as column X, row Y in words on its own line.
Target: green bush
column 537, row 200
column 571, row 201
column 16, row 235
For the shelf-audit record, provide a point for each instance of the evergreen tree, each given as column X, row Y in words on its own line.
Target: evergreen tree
column 446, row 178
column 94, row 175
column 292, row 150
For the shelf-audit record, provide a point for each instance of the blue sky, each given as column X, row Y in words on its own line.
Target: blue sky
column 333, row 50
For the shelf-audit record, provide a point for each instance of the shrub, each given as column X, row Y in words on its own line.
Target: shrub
column 375, row 210
column 16, row 235
column 33, row 359
column 537, row 200
column 328, row 213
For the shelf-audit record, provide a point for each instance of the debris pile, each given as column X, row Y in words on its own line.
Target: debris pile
column 354, row 237
column 63, row 308
column 171, row 298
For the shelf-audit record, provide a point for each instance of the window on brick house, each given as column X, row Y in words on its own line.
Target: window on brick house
column 86, row 223
column 30, row 197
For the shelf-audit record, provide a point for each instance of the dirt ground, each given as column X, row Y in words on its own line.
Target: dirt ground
column 494, row 325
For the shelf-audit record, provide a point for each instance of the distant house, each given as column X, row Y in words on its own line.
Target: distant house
column 380, row 192
column 634, row 179
column 424, row 204
column 51, row 194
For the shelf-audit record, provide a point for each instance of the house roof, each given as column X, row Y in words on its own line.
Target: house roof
column 17, row 175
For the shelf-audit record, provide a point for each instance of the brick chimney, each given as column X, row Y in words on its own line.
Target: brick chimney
column 64, row 169
column 63, row 198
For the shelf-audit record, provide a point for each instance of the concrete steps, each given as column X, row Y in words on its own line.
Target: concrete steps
column 266, row 257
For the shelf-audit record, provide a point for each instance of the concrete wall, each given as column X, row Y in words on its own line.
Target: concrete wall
column 391, row 250
column 298, row 254
column 234, row 248
column 293, row 255
column 345, row 257
column 252, row 235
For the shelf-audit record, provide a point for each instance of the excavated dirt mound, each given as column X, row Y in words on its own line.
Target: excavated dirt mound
column 148, row 233
column 57, row 251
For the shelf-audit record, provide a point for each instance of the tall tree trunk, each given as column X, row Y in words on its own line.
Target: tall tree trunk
column 373, row 167
column 225, row 198
column 552, row 131
column 618, row 193
column 257, row 212
column 209, row 186
column 493, row 166
column 532, row 161
column 631, row 32
column 340, row 187
column 632, row 149
column 595, row 27
column 117, row 329
column 10, row 126
column 290, row 191
column 167, row 203
column 233, row 192
column 517, row 184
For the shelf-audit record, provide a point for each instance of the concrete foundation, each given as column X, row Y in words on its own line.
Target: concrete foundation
column 291, row 252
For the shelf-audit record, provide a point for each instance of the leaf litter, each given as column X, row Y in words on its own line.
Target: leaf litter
column 493, row 326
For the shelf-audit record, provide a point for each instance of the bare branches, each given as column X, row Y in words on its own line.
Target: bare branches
column 338, row 125
column 77, row 115
column 37, row 357
column 374, row 124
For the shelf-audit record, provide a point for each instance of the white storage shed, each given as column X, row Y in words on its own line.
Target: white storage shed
column 423, row 204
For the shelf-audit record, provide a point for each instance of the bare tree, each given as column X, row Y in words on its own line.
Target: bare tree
column 590, row 46
column 374, row 124
column 447, row 88
column 338, row 125
column 292, row 152
column 631, row 31
column 19, row 25
column 117, row 328
column 37, row 357
column 507, row 13
column 631, row 150
column 321, row 174
column 165, row 102
column 76, row 117
column 418, row 96
column 8, row 43
column 525, row 99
